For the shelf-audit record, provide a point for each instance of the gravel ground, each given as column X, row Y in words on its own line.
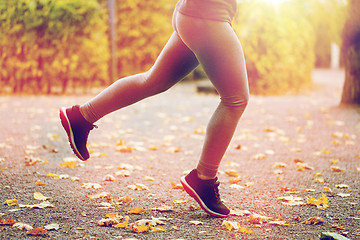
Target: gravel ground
column 159, row 139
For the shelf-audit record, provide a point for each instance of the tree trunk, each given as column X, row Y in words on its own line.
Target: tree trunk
column 351, row 54
column 351, row 90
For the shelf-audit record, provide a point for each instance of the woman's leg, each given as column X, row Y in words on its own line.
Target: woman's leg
column 174, row 62
column 219, row 51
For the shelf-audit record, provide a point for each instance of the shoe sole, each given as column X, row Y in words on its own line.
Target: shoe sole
column 66, row 125
column 194, row 195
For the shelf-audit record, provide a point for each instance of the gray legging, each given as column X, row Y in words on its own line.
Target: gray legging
column 216, row 47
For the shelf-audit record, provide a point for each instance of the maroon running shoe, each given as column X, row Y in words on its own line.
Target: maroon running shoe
column 77, row 129
column 206, row 193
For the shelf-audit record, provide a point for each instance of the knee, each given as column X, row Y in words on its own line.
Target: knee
column 236, row 104
column 155, row 83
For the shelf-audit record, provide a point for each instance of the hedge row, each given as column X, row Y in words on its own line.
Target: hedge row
column 51, row 44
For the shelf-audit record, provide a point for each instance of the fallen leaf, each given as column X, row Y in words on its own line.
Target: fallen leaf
column 336, row 169
column 344, row 195
column 259, row 156
column 158, row 229
column 291, row 200
column 240, row 212
column 327, row 189
column 314, row 221
column 122, row 173
column 68, row 164
column 162, row 209
column 289, row 190
column 236, row 226
column 113, row 220
column 258, row 219
column 320, row 203
column 109, row 178
column 235, row 180
column 303, row 166
column 37, row 231
column 280, row 165
column 7, row 222
column 99, row 195
column 147, row 178
column 137, row 210
column 249, row 184
column 342, row 186
column 45, row 204
column 23, row 226
column 138, row 187
column 138, row 228
column 176, row 186
column 52, row 226
column 39, row 183
column 278, row 222
column 11, row 202
column 40, row 197
column 320, row 180
column 30, row 161
column 196, row 222
column 126, row 199
column 91, row 185
column 123, row 224
column 232, row 173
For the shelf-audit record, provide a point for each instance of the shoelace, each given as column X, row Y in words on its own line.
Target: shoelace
column 215, row 187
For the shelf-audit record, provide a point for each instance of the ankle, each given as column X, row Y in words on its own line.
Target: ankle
column 204, row 177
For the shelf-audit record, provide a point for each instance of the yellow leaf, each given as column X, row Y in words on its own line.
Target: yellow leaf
column 320, row 180
column 126, row 199
column 52, row 175
column 158, row 229
column 138, row 186
column 314, row 221
column 137, row 210
column 123, row 224
column 181, row 201
column 39, row 183
column 230, row 225
column 138, row 228
column 280, row 165
column 336, row 169
column 232, row 173
column 99, row 195
column 327, row 189
column 109, row 178
column 68, row 164
column 147, row 178
column 40, row 197
column 258, row 219
column 176, row 186
column 11, row 202
column 303, row 166
column 320, row 203
column 91, row 185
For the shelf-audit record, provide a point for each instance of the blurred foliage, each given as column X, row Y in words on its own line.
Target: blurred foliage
column 46, row 44
column 278, row 42
column 327, row 20
column 351, row 53
column 53, row 44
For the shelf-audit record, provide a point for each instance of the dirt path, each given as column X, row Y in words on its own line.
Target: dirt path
column 160, row 138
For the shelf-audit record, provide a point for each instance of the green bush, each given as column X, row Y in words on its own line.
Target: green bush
column 278, row 44
column 46, row 44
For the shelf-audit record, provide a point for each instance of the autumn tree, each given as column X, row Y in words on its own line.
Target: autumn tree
column 351, row 54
